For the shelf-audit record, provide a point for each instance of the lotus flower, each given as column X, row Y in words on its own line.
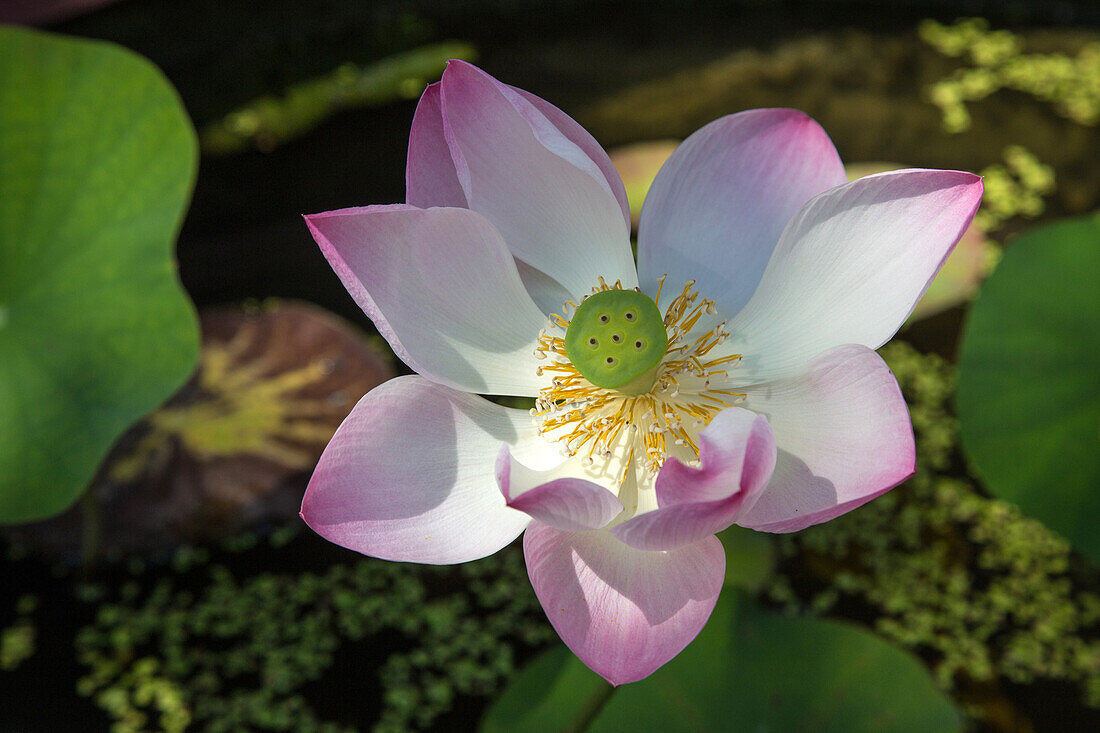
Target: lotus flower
column 729, row 378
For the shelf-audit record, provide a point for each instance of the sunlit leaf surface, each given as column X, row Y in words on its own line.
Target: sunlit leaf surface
column 1029, row 379
column 97, row 161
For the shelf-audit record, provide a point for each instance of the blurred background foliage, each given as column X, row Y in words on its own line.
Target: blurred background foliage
column 182, row 593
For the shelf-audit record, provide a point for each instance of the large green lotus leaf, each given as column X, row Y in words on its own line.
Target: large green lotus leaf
column 750, row 557
column 749, row 670
column 97, row 162
column 1029, row 379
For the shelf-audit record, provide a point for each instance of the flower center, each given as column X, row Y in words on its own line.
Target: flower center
column 616, row 339
column 628, row 384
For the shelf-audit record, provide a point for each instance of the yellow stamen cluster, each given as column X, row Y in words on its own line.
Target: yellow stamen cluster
column 598, row 422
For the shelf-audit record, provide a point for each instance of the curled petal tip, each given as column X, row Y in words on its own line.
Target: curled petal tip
column 561, row 497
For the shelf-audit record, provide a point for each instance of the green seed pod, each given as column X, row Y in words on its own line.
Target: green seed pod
column 616, row 340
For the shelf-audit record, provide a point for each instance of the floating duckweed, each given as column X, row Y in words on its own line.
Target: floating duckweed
column 140, row 689
column 282, row 536
column 1014, row 188
column 1072, row 85
column 187, row 557
column 86, row 592
column 238, row 654
column 978, row 589
column 16, row 644
column 241, row 542
column 26, row 605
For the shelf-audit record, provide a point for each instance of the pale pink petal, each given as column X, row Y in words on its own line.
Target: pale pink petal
column 550, row 201
column 430, row 177
column 736, row 455
column 850, row 267
column 623, row 612
column 409, row 475
column 549, row 295
column 442, row 288
column 844, row 437
column 580, row 136
column 554, row 496
column 718, row 205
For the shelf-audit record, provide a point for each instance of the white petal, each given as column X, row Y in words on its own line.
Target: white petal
column 556, row 496
column 850, row 267
column 718, row 205
column 409, row 475
column 441, row 286
column 572, row 130
column 844, row 437
column 547, row 197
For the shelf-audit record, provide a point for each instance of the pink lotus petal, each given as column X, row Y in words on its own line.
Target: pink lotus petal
column 850, row 267
column 737, row 455
column 583, row 140
column 550, row 201
column 844, row 438
column 554, row 497
column 961, row 273
column 430, row 177
column 441, row 286
column 624, row 612
column 718, row 206
column 409, row 475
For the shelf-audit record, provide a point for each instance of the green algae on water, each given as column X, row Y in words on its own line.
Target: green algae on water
column 243, row 651
column 983, row 593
